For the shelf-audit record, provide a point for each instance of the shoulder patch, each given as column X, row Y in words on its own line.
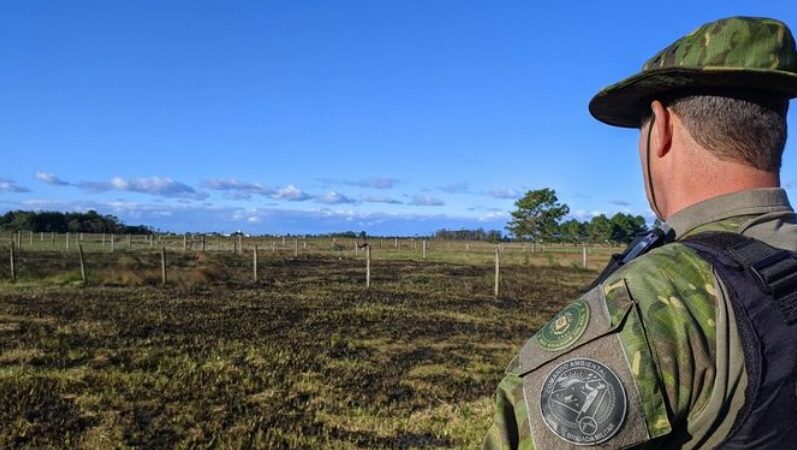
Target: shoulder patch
column 564, row 328
column 584, row 320
column 583, row 384
column 583, row 401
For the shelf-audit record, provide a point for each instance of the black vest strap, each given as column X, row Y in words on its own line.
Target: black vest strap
column 775, row 270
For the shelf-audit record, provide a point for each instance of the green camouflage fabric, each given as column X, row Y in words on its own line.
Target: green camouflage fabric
column 736, row 53
column 730, row 225
column 668, row 340
column 736, row 43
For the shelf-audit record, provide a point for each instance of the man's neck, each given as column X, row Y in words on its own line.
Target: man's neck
column 703, row 185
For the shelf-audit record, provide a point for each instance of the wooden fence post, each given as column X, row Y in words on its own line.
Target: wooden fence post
column 273, row 246
column 584, row 256
column 13, row 263
column 497, row 272
column 67, row 241
column 240, row 245
column 103, row 240
column 296, row 247
column 185, row 242
column 30, row 236
column 113, row 240
column 82, row 263
column 395, row 242
column 254, row 262
column 203, row 243
column 367, row 266
column 52, row 239
column 424, row 248
column 163, row 266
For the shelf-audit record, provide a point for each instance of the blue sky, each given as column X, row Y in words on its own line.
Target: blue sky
column 315, row 116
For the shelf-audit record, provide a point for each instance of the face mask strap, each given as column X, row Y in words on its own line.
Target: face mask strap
column 650, row 175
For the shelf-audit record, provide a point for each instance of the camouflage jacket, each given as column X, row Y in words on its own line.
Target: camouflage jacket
column 649, row 359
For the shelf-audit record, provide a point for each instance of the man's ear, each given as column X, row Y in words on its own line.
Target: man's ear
column 661, row 138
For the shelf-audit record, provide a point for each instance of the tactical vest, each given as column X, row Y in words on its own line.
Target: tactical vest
column 762, row 285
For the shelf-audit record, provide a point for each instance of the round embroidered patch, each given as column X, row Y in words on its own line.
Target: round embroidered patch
column 564, row 328
column 583, row 402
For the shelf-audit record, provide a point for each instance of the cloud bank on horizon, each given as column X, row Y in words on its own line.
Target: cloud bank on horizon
column 227, row 204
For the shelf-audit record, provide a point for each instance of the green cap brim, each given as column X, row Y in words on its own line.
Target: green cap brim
column 622, row 104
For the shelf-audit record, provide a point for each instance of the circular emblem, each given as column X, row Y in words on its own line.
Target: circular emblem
column 583, row 402
column 564, row 328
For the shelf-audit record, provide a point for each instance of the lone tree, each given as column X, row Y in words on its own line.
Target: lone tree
column 537, row 215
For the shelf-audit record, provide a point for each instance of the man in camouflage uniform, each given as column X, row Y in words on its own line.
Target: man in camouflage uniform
column 652, row 357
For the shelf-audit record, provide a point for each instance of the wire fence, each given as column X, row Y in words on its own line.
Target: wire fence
column 108, row 259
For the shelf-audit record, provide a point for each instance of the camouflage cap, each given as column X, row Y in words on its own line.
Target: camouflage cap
column 737, row 52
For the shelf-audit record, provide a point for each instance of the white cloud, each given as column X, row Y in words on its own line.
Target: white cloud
column 334, row 198
column 372, row 183
column 7, row 185
column 375, row 183
column 485, row 208
column 508, row 193
column 290, row 193
column 49, row 178
column 237, row 189
column 426, row 200
column 159, row 186
column 381, row 199
column 494, row 215
column 456, row 188
column 582, row 214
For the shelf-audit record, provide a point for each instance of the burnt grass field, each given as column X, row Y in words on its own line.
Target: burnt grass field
column 307, row 357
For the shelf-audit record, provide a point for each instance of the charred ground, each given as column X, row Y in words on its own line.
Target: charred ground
column 305, row 357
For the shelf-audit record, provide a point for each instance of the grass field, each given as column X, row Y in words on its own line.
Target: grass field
column 307, row 357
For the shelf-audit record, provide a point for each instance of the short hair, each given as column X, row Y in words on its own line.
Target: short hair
column 747, row 127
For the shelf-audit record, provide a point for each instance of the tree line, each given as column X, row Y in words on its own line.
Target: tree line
column 538, row 217
column 479, row 234
column 619, row 228
column 73, row 222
